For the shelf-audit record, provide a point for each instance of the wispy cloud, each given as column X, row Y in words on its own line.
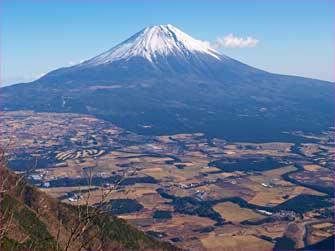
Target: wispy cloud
column 231, row 41
column 72, row 62
column 40, row 75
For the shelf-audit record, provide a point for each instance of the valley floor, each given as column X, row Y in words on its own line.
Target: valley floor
column 194, row 192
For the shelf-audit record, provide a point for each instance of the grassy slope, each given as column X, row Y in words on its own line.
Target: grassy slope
column 36, row 219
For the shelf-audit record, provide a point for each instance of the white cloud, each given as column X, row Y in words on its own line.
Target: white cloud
column 40, row 75
column 231, row 41
column 72, row 63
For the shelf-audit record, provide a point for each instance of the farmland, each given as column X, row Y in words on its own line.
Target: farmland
column 194, row 191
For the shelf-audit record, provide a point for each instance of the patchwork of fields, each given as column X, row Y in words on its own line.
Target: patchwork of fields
column 194, row 191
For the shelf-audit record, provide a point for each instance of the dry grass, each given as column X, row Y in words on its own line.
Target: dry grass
column 322, row 234
column 152, row 201
column 304, row 190
column 279, row 171
column 323, row 225
column 327, row 179
column 312, row 168
column 234, row 213
column 243, row 242
column 264, row 198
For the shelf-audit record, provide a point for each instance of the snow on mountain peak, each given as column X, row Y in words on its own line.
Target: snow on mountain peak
column 156, row 40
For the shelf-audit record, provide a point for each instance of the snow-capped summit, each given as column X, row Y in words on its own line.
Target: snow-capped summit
column 153, row 42
column 156, row 52
column 164, row 78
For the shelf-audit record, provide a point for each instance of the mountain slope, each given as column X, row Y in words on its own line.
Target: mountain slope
column 162, row 51
column 152, row 42
column 36, row 217
column 172, row 83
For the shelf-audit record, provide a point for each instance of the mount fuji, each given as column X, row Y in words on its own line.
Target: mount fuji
column 158, row 51
column 163, row 81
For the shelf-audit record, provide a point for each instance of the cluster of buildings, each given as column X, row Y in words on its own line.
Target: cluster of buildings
column 40, row 179
column 193, row 185
column 74, row 197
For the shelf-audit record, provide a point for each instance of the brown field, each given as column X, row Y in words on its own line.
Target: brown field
column 264, row 198
column 73, row 142
column 312, row 168
column 275, row 195
column 279, row 171
column 234, row 213
column 60, row 191
column 245, row 242
column 323, row 225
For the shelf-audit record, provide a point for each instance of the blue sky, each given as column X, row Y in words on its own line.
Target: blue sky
column 294, row 37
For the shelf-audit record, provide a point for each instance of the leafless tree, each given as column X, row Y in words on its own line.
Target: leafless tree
column 6, row 186
column 87, row 214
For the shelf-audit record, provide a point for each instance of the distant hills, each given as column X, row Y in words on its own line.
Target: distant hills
column 37, row 221
column 163, row 81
